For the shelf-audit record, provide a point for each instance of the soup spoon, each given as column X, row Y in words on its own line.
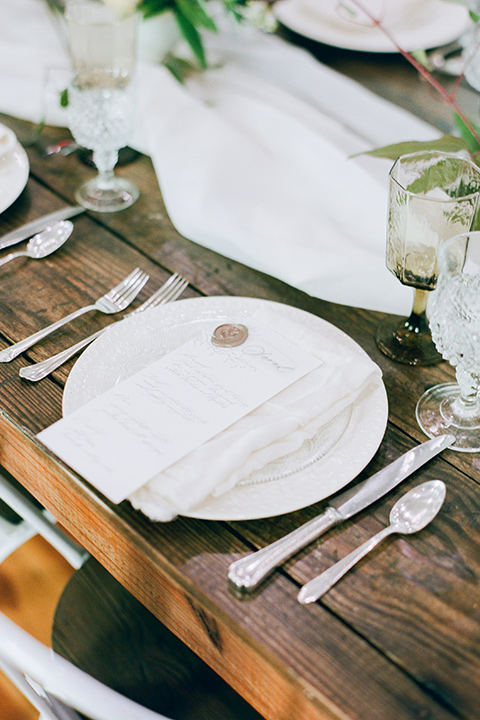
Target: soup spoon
column 44, row 243
column 410, row 514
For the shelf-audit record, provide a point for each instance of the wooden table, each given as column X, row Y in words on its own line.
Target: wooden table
column 399, row 637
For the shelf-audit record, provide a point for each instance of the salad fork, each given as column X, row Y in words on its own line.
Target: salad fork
column 168, row 292
column 117, row 299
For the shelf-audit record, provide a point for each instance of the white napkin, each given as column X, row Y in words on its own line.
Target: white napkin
column 252, row 157
column 251, row 166
column 275, row 429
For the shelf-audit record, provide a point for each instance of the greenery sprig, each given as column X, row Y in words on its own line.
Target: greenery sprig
column 192, row 16
column 468, row 139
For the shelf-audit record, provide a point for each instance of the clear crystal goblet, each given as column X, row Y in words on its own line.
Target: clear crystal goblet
column 454, row 316
column 101, row 102
column 433, row 196
column 100, row 111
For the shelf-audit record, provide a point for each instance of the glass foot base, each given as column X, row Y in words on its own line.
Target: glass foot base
column 119, row 195
column 399, row 341
column 435, row 416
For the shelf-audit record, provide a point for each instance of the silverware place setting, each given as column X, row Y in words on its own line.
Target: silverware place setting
column 44, row 243
column 116, row 300
column 168, row 292
column 35, row 226
column 413, row 512
column 248, row 572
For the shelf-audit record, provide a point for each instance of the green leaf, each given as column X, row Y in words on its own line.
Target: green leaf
column 195, row 12
column 192, row 36
column 444, row 174
column 179, row 67
column 447, row 143
column 150, row 8
column 421, row 57
column 64, row 98
column 466, row 134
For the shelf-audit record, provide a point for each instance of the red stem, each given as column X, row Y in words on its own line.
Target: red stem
column 449, row 98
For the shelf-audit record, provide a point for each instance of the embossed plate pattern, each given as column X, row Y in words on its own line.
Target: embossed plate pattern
column 341, row 454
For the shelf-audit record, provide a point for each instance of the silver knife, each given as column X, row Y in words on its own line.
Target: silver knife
column 29, row 229
column 247, row 572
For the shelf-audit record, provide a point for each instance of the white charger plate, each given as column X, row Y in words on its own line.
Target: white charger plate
column 318, row 470
column 14, row 171
column 442, row 24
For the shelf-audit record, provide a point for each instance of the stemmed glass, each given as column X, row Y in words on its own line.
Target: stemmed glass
column 100, row 110
column 454, row 315
column 432, row 197
column 101, row 97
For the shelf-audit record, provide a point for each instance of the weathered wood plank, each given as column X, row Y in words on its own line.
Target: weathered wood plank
column 398, row 638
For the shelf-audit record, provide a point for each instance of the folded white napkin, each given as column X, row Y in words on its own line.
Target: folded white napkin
column 252, row 157
column 275, row 429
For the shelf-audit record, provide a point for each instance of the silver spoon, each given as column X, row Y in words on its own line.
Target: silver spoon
column 410, row 514
column 44, row 243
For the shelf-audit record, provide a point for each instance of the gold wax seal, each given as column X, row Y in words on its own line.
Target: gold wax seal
column 229, row 335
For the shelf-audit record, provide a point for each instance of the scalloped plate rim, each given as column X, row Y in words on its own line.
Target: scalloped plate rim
column 356, row 447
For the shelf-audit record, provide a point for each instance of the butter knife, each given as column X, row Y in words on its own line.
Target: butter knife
column 247, row 572
column 29, row 229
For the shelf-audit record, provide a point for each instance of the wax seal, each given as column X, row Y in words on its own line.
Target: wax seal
column 229, row 335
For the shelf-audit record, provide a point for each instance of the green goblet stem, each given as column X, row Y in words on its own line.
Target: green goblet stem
column 417, row 321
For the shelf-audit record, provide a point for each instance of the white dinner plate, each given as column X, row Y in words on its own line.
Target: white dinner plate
column 14, row 171
column 442, row 23
column 320, row 468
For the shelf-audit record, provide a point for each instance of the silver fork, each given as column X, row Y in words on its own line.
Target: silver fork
column 117, row 299
column 169, row 291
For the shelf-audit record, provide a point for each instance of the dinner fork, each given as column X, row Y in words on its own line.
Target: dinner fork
column 117, row 299
column 168, row 292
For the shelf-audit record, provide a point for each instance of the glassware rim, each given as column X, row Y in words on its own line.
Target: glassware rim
column 438, row 153
column 110, row 19
column 443, row 249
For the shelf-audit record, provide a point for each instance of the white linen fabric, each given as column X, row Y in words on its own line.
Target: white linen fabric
column 252, row 156
column 275, row 429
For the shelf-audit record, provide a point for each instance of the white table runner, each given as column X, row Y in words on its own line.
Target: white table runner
column 253, row 156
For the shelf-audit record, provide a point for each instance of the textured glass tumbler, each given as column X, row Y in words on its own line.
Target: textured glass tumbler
column 432, row 197
column 454, row 315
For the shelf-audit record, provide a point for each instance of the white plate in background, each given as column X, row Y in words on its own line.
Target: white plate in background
column 442, row 23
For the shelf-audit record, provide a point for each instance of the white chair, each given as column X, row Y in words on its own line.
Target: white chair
column 31, row 520
column 91, row 618
column 56, row 687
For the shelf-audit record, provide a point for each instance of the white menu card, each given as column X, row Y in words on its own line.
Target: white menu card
column 123, row 438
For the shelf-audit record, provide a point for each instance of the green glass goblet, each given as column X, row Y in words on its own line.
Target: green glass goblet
column 433, row 196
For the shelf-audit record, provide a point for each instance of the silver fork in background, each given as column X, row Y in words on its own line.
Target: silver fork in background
column 117, row 299
column 168, row 292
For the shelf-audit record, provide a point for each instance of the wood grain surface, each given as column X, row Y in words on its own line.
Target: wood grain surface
column 396, row 639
